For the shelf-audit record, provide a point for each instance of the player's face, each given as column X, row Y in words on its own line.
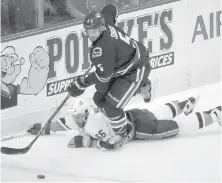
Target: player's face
column 79, row 119
column 93, row 34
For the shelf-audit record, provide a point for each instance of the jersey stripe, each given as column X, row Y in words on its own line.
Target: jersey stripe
column 118, row 122
column 133, row 87
column 103, row 79
column 59, row 125
column 156, row 136
column 134, row 60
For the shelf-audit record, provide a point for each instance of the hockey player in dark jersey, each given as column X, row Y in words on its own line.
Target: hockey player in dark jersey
column 122, row 67
column 93, row 130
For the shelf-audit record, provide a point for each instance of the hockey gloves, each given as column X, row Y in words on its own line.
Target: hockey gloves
column 80, row 141
column 77, row 87
column 115, row 142
column 87, row 141
column 34, row 129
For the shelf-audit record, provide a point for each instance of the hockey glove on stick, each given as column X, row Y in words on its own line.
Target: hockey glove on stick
column 15, row 151
column 77, row 87
column 34, row 129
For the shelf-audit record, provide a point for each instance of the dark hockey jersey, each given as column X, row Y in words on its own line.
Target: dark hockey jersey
column 114, row 53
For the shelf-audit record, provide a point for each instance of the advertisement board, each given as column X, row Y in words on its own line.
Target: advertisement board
column 183, row 39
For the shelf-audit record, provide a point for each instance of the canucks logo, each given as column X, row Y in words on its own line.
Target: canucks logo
column 98, row 15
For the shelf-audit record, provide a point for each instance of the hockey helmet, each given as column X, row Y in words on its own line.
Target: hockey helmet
column 94, row 20
column 80, row 106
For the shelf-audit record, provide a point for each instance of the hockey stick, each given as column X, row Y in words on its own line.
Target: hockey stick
column 14, row 151
column 14, row 136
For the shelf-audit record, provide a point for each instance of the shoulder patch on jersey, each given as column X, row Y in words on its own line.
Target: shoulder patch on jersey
column 113, row 32
column 98, row 15
column 97, row 52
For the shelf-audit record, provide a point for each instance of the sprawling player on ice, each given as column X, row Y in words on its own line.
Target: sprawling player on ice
column 122, row 67
column 94, row 129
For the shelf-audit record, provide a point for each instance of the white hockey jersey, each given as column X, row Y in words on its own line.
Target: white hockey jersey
column 98, row 127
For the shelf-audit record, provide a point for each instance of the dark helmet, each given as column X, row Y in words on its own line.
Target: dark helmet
column 94, row 20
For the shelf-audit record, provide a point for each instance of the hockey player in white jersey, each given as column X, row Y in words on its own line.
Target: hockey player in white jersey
column 80, row 113
column 95, row 131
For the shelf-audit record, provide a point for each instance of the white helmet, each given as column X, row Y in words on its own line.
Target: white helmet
column 79, row 111
column 79, row 106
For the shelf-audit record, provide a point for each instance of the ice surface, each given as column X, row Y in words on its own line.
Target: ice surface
column 182, row 158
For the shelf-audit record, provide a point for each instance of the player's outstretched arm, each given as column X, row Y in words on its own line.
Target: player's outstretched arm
column 58, row 125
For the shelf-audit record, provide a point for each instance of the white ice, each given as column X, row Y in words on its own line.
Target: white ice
column 182, row 158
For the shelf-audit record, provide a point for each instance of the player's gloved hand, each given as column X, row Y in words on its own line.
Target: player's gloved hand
column 80, row 141
column 77, row 87
column 115, row 142
column 34, row 129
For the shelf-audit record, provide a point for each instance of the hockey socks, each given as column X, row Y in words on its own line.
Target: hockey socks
column 176, row 107
column 195, row 121
column 185, row 106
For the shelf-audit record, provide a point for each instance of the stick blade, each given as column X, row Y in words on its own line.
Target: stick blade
column 13, row 151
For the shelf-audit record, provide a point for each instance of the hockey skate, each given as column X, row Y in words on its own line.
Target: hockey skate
column 216, row 114
column 145, row 90
column 190, row 104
